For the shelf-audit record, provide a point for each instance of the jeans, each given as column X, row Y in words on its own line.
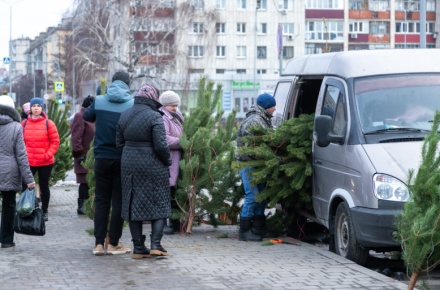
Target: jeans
column 108, row 193
column 251, row 207
column 8, row 215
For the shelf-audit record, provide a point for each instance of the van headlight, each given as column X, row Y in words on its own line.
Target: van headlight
column 389, row 188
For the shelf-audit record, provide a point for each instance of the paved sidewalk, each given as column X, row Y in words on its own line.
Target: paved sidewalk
column 63, row 259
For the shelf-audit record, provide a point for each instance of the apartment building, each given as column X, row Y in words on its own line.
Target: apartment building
column 334, row 25
column 19, row 47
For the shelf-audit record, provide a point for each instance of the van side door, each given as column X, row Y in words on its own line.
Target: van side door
column 329, row 162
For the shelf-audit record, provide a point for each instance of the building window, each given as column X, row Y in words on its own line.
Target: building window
column 412, row 27
column 220, row 71
column 220, row 4
column 379, row 5
column 316, row 31
column 221, row 51
column 195, row 51
column 198, row 4
column 162, row 48
column 261, row 52
column 323, row 4
column 167, row 3
column 241, row 51
column 241, row 28
column 261, row 71
column 196, row 28
column 287, row 28
column 220, row 28
column 196, row 71
column 357, row 27
column 262, row 4
column 262, row 28
column 287, row 52
column 241, row 4
column 380, row 27
column 285, row 4
column 241, row 71
column 358, row 5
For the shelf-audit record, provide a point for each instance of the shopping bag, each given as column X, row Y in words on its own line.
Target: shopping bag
column 26, row 203
column 32, row 225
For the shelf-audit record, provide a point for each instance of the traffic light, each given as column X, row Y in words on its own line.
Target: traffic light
column 59, row 98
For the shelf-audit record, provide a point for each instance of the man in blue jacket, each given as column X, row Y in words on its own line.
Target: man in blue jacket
column 105, row 112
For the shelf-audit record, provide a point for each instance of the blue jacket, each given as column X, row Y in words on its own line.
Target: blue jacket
column 105, row 112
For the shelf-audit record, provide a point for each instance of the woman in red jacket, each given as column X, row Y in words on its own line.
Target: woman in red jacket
column 42, row 142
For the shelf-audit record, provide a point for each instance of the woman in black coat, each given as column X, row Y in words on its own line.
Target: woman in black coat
column 144, row 171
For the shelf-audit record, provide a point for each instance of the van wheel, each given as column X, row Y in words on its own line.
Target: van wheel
column 346, row 244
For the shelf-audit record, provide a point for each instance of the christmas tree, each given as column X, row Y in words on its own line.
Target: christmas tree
column 207, row 182
column 282, row 160
column 418, row 226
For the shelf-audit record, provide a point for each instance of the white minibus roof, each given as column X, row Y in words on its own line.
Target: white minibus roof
column 358, row 63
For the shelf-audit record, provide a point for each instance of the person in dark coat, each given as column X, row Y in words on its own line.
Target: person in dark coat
column 14, row 166
column 105, row 112
column 82, row 133
column 144, row 171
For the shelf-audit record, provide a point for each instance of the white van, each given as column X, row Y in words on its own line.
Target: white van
column 373, row 108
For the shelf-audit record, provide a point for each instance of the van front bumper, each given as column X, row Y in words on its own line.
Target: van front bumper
column 375, row 228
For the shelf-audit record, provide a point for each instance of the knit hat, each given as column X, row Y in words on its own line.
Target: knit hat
column 149, row 92
column 266, row 101
column 87, row 101
column 169, row 98
column 36, row 101
column 6, row 101
column 26, row 107
column 121, row 76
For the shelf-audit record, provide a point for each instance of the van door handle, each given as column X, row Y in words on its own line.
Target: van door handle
column 318, row 162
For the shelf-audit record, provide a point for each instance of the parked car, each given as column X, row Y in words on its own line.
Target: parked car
column 373, row 109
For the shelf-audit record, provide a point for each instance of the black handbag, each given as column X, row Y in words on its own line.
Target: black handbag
column 32, row 225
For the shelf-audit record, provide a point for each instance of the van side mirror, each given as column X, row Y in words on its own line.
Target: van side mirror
column 322, row 132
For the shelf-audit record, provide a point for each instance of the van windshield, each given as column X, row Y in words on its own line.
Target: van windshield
column 397, row 102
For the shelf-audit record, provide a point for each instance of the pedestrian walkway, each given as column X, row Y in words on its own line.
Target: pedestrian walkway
column 63, row 259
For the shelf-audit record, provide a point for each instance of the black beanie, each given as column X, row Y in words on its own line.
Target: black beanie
column 88, row 101
column 121, row 76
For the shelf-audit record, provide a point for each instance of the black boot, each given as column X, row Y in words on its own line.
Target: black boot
column 167, row 229
column 245, row 233
column 81, row 209
column 156, row 237
column 139, row 249
column 259, row 227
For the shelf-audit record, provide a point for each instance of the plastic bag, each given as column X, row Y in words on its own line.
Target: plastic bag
column 32, row 225
column 26, row 204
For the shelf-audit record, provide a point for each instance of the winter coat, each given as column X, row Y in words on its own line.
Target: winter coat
column 105, row 112
column 41, row 139
column 82, row 133
column 144, row 164
column 14, row 164
column 257, row 116
column 173, row 130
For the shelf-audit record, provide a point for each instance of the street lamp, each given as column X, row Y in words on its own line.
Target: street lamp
column 10, row 42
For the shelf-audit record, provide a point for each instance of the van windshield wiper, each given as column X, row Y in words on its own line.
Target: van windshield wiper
column 395, row 129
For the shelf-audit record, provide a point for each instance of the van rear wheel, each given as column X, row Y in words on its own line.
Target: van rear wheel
column 346, row 244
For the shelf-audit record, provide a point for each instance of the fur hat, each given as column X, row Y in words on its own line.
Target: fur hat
column 169, row 98
column 121, row 76
column 266, row 101
column 87, row 101
column 37, row 101
column 6, row 101
column 148, row 91
column 26, row 107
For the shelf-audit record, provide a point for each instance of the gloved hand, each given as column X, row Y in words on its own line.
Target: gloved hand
column 81, row 159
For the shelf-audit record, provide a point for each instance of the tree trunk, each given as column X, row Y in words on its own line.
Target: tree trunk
column 413, row 280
